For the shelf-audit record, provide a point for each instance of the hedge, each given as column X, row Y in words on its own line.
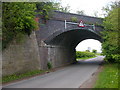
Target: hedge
column 80, row 54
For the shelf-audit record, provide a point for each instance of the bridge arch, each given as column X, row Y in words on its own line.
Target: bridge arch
column 61, row 45
column 57, row 38
column 72, row 37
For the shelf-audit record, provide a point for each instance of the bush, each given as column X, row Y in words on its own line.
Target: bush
column 80, row 54
column 109, row 58
column 74, row 19
column 17, row 25
column 116, row 57
column 94, row 51
column 49, row 65
column 113, row 58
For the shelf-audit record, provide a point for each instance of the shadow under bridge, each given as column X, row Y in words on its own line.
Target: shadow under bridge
column 62, row 44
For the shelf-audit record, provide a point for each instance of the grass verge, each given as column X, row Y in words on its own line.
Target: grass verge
column 84, row 58
column 14, row 77
column 108, row 78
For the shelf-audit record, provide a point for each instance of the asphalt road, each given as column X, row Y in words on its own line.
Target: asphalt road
column 69, row 77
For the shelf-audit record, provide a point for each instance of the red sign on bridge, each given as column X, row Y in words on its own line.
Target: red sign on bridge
column 81, row 24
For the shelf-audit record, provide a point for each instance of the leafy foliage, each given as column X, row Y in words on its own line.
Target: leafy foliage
column 64, row 9
column 87, row 50
column 49, row 65
column 18, row 18
column 111, row 34
column 45, row 8
column 94, row 51
column 80, row 54
column 80, row 12
column 74, row 19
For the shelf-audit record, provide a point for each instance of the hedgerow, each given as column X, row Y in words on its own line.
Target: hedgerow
column 80, row 54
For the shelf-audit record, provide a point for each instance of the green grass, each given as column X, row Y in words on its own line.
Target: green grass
column 13, row 77
column 108, row 78
column 99, row 54
column 84, row 58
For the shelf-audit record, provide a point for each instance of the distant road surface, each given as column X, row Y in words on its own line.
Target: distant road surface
column 69, row 77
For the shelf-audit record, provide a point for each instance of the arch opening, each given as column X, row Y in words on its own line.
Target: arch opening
column 89, row 44
column 87, row 49
column 61, row 47
column 71, row 38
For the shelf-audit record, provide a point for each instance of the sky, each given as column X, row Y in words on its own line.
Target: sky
column 89, row 7
column 89, row 44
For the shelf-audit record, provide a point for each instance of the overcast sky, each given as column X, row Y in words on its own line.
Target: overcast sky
column 89, row 43
column 89, row 7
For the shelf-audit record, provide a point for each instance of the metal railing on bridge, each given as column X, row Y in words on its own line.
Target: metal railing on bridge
column 80, row 25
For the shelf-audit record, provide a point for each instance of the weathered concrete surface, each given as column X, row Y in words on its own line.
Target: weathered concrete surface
column 60, row 56
column 21, row 57
column 57, row 44
column 57, row 55
column 57, row 24
column 69, row 77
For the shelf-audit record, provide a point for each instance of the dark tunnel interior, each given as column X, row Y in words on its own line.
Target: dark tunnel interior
column 72, row 38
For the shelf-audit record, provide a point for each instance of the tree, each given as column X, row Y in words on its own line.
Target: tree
column 80, row 12
column 87, row 50
column 17, row 20
column 50, row 6
column 94, row 51
column 96, row 14
column 111, row 38
column 45, row 8
column 64, row 9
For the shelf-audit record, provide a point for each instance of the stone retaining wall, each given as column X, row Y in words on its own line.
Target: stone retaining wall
column 22, row 57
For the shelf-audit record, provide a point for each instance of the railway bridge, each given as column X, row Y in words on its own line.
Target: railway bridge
column 58, row 37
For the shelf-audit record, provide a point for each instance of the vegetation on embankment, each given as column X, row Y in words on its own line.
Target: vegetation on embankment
column 108, row 78
column 110, row 46
column 21, row 18
column 17, row 21
column 84, row 55
column 17, row 76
